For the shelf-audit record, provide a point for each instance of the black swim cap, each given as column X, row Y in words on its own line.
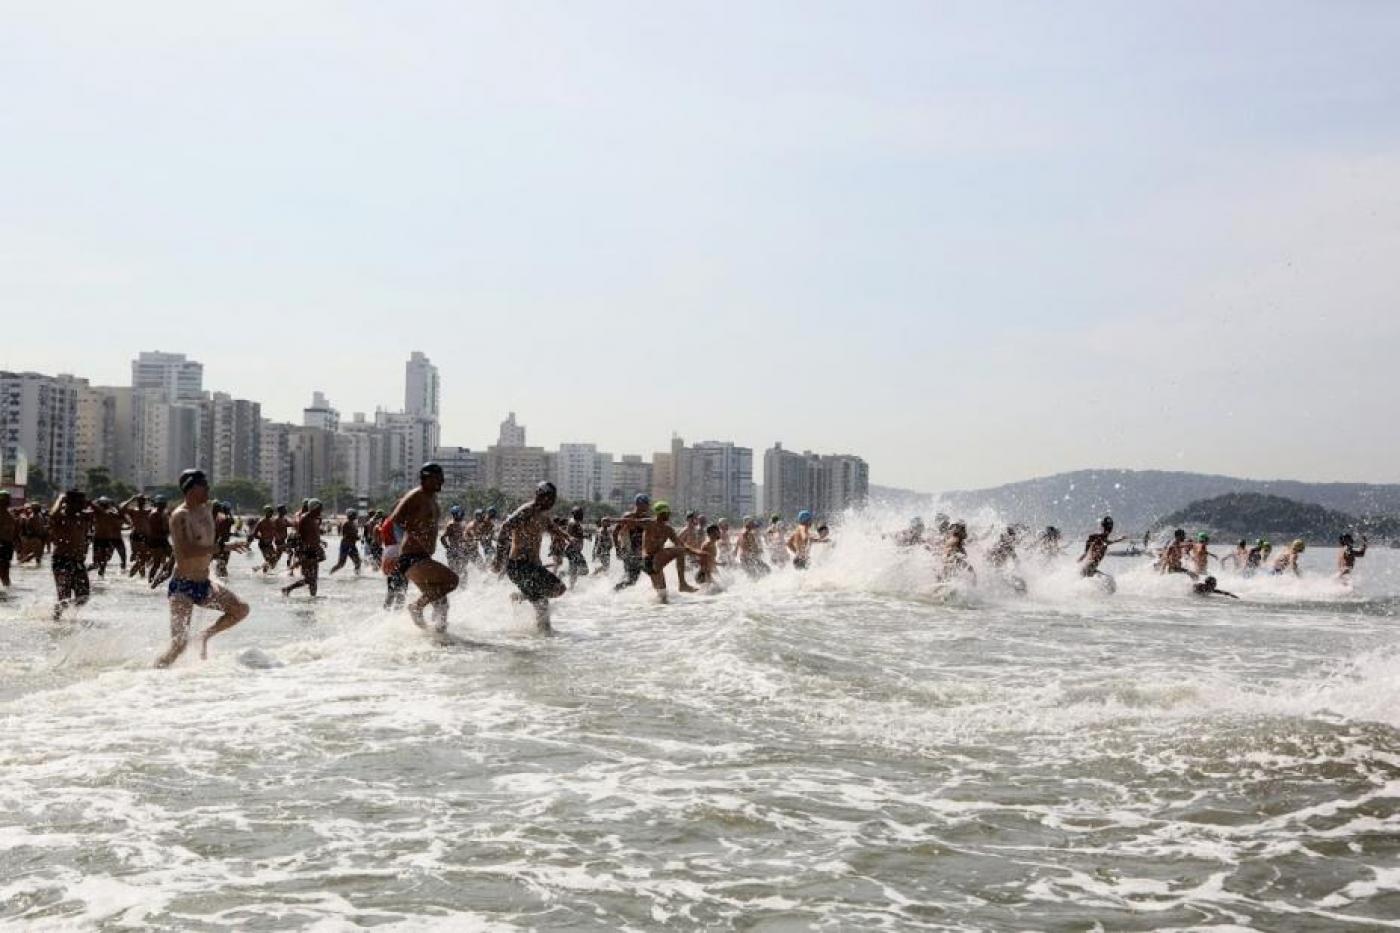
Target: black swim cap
column 191, row 478
column 546, row 488
column 577, row 511
column 429, row 469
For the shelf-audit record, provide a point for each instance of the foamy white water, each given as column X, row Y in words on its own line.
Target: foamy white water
column 845, row 749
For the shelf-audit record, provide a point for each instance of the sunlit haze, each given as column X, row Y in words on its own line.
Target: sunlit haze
column 970, row 242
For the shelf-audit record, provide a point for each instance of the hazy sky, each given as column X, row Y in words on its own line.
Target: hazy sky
column 971, row 242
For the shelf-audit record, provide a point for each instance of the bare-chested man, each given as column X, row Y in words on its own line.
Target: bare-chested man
column 800, row 541
column 264, row 531
column 349, row 541
column 707, row 575
column 518, row 552
column 33, row 534
column 419, row 515
column 281, row 526
column 1096, row 549
column 661, row 546
column 627, row 540
column 776, row 536
column 191, row 528
column 1202, row 555
column 749, row 547
column 955, row 562
column 1288, row 561
column 603, row 546
column 107, row 523
column 223, row 531
column 454, row 540
column 309, row 554
column 158, row 542
column 573, row 546
column 1346, row 559
column 138, row 516
column 1170, row 560
column 70, row 522
column 9, row 536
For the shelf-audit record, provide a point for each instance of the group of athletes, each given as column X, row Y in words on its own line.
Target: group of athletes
column 187, row 548
column 1178, row 554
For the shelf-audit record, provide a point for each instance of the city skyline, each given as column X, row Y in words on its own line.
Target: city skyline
column 166, row 419
column 976, row 243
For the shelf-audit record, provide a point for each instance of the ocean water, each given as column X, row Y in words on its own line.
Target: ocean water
column 853, row 748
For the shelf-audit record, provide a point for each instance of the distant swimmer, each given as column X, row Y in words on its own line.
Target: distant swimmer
column 1237, row 558
column 1288, row 560
column 158, row 542
column 573, row 546
column 9, row 537
column 603, row 546
column 776, row 536
column 627, row 538
column 1346, row 560
column 724, row 548
column 192, row 535
column 800, row 541
column 106, row 535
column 223, row 531
column 454, row 541
column 955, row 562
column 33, row 534
column 70, row 523
column 823, row 534
column 1002, row 557
column 486, row 534
column 749, row 548
column 706, row 576
column 1201, row 555
column 1172, row 556
column 281, row 528
column 518, row 552
column 309, row 551
column 349, row 542
column 1096, row 549
column 1050, row 544
column 374, row 546
column 138, row 516
column 264, row 532
column 913, row 535
column 1256, row 557
column 418, row 513
column 1208, row 587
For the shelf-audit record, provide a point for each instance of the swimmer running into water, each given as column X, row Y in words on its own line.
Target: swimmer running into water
column 1096, row 549
column 192, row 537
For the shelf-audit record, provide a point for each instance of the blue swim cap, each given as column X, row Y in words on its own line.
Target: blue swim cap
column 642, row 499
column 804, row 517
column 456, row 511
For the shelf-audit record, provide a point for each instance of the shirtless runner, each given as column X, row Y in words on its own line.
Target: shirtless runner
column 70, row 521
column 418, row 513
column 309, row 554
column 9, row 536
column 1346, row 559
column 657, row 534
column 192, row 538
column 349, row 541
column 106, row 535
column 1096, row 549
column 518, row 552
column 136, row 513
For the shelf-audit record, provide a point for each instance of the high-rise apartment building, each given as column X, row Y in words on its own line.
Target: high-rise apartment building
column 38, row 424
column 320, row 414
column 511, row 434
column 461, row 467
column 631, row 476
column 177, row 378
column 516, row 471
column 582, row 473
column 231, row 437
column 828, row 485
column 421, row 389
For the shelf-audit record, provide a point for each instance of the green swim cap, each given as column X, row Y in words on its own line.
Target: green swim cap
column 660, row 507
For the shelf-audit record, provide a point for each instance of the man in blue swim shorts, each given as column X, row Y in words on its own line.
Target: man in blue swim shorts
column 192, row 539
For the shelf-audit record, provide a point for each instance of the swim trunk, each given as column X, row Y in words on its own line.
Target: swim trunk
column 7, row 553
column 648, row 566
column 106, row 542
column 71, row 572
column 536, row 584
column 407, row 562
column 137, row 539
column 196, row 591
column 576, row 563
column 346, row 547
column 799, row 563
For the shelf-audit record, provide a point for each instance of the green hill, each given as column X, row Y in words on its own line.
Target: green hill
column 1254, row 515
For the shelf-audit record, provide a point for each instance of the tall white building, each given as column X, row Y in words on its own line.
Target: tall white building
column 828, row 485
column 421, row 389
column 274, row 469
column 178, row 378
column 320, row 414
column 230, row 437
column 167, row 437
column 719, row 480
column 38, row 423
column 95, row 438
column 582, row 473
column 511, row 434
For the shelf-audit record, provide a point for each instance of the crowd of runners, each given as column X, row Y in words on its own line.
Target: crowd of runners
column 187, row 549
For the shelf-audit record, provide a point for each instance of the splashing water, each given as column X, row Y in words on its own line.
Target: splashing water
column 854, row 747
